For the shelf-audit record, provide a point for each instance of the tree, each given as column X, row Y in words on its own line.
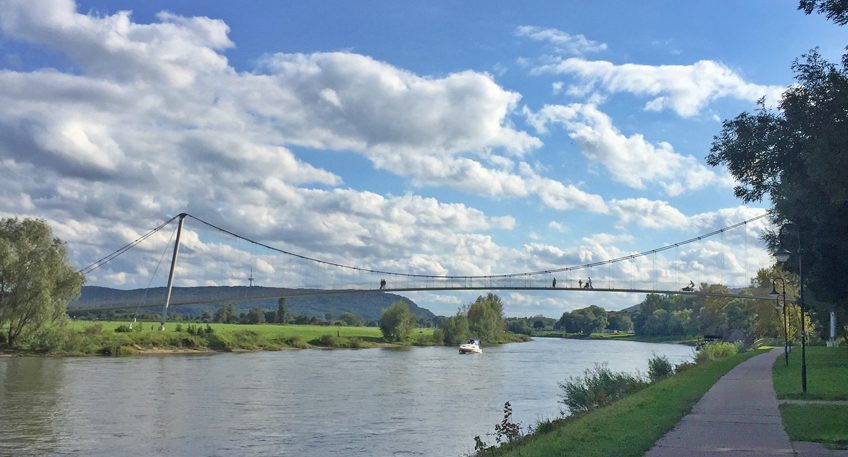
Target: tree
column 255, row 315
column 225, row 314
column 835, row 10
column 620, row 321
column 455, row 328
column 36, row 277
column 797, row 156
column 352, row 319
column 282, row 311
column 397, row 322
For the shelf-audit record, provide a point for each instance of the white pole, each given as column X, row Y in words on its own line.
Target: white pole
column 171, row 274
column 831, row 343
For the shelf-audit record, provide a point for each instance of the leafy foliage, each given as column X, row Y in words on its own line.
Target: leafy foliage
column 715, row 350
column 585, row 320
column 397, row 322
column 797, row 156
column 598, row 387
column 36, row 277
column 659, row 368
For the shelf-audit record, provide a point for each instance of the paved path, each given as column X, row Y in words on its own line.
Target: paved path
column 738, row 416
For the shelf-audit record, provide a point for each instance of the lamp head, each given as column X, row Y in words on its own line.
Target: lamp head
column 773, row 292
column 782, row 254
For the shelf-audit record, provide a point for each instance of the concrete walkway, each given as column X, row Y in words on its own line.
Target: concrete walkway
column 738, row 416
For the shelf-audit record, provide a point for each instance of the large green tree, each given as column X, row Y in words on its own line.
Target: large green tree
column 36, row 277
column 485, row 317
column 797, row 156
column 397, row 322
column 282, row 311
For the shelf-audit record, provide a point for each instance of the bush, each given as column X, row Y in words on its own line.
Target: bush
column 598, row 387
column 439, row 336
column 296, row 342
column 123, row 328
column 715, row 350
column 220, row 342
column 95, row 329
column 659, row 368
column 683, row 366
column 330, row 341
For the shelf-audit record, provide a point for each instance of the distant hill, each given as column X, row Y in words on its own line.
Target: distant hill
column 367, row 305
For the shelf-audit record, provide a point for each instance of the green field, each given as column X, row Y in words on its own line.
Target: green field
column 629, row 427
column 307, row 332
column 827, row 372
column 101, row 338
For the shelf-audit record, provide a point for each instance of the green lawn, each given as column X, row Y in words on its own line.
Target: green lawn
column 307, row 332
column 88, row 338
column 826, row 424
column 827, row 374
column 631, row 426
column 827, row 379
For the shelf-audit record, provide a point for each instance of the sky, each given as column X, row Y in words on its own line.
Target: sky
column 445, row 137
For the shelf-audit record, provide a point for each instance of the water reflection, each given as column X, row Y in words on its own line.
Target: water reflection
column 411, row 401
column 30, row 395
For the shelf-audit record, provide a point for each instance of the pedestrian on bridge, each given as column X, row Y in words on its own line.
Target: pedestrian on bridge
column 580, row 283
column 382, row 284
column 553, row 284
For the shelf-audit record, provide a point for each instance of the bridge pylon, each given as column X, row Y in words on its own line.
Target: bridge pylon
column 171, row 274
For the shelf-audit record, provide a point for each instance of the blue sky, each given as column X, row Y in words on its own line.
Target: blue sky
column 425, row 137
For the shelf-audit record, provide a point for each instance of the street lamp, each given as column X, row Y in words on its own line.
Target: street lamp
column 777, row 307
column 782, row 255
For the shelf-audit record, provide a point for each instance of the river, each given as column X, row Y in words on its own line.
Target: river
column 418, row 401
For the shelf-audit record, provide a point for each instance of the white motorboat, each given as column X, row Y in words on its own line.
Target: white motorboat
column 472, row 346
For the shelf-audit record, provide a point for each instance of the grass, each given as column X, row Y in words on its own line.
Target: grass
column 307, row 332
column 619, row 336
column 827, row 424
column 85, row 338
column 827, row 374
column 827, row 371
column 628, row 427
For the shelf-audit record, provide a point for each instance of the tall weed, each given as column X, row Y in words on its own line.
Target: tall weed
column 659, row 368
column 598, row 387
column 715, row 350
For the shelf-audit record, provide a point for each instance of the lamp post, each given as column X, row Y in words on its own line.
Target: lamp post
column 777, row 307
column 782, row 255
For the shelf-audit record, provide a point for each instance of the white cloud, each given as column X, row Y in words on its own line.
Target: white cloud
column 561, row 42
column 631, row 160
column 685, row 89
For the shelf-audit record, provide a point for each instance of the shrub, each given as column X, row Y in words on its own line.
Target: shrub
column 123, row 328
column 178, row 328
column 439, row 336
column 296, row 342
column 95, row 329
column 329, row 341
column 715, row 350
column 659, row 368
column 683, row 366
column 220, row 342
column 598, row 387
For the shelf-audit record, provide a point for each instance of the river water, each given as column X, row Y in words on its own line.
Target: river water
column 419, row 401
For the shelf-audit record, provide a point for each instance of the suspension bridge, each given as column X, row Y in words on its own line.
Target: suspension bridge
column 209, row 255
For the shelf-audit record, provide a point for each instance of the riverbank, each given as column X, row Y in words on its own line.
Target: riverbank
column 690, row 341
column 628, row 427
column 118, row 339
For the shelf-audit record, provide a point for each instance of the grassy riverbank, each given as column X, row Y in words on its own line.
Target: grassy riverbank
column 114, row 338
column 827, row 372
column 628, row 427
column 619, row 337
